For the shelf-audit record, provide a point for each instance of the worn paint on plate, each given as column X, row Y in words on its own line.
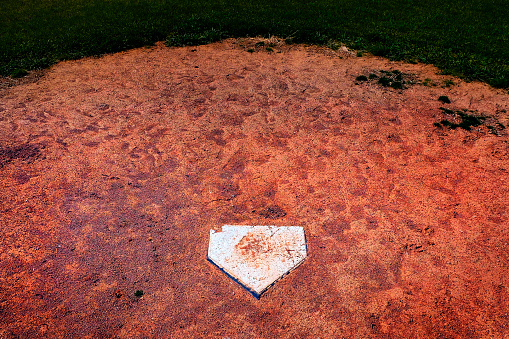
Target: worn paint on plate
column 257, row 256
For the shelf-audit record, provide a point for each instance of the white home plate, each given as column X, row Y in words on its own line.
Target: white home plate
column 257, row 256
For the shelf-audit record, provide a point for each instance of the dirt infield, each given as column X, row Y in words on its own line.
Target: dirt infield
column 114, row 169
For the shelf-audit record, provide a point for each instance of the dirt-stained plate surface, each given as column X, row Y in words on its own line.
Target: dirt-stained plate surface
column 113, row 170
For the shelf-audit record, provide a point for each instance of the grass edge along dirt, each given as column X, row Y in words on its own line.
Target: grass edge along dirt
column 465, row 39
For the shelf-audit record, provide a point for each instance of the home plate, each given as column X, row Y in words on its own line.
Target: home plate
column 257, row 256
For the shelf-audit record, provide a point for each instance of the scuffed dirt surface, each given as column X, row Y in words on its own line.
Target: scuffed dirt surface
column 114, row 169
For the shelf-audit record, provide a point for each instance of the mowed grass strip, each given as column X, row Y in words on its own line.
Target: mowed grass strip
column 467, row 38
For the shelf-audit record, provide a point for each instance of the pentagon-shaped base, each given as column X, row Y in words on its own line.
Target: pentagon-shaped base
column 257, row 256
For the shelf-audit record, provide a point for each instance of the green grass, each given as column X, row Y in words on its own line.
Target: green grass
column 467, row 38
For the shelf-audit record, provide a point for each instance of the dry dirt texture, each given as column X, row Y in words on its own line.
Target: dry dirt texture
column 114, row 169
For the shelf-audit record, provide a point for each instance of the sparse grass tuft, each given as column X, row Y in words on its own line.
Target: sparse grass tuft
column 384, row 81
column 462, row 119
column 394, row 78
column 448, row 83
column 428, row 82
column 334, row 45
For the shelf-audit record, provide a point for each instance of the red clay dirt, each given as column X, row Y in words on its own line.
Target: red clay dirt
column 114, row 169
